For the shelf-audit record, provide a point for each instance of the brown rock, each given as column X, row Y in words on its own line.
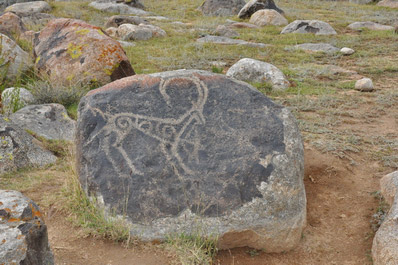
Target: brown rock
column 70, row 51
column 11, row 25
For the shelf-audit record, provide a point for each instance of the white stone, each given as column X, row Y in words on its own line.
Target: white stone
column 265, row 17
column 347, row 51
column 364, row 84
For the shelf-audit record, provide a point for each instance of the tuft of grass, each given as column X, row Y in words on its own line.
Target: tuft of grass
column 193, row 249
column 381, row 211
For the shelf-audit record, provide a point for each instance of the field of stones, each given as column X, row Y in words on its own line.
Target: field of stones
column 199, row 132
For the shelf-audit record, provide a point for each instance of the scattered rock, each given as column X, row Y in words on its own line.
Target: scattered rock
column 18, row 149
column 347, row 51
column 221, row 7
column 133, row 3
column 64, row 56
column 13, row 60
column 23, row 233
column 385, row 242
column 157, row 18
column 251, row 70
column 229, row 41
column 15, row 98
column 255, row 5
column 5, row 3
column 140, row 32
column 50, row 121
column 364, row 85
column 309, row 26
column 267, row 17
column 317, row 47
column 369, row 25
column 181, row 150
column 112, row 32
column 116, row 21
column 225, row 31
column 388, row 3
column 11, row 24
column 118, row 8
column 29, row 8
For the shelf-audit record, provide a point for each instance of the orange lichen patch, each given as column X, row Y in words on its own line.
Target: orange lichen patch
column 15, row 205
column 20, row 237
column 11, row 220
column 144, row 80
column 1, row 203
column 7, row 210
column 3, row 241
column 35, row 212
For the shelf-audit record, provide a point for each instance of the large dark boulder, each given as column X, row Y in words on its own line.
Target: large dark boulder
column 254, row 5
column 179, row 150
column 221, row 7
column 23, row 233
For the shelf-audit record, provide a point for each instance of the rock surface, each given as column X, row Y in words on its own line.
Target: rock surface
column 267, row 17
column 50, row 121
column 347, row 51
column 317, row 47
column 229, row 41
column 18, row 149
column 11, row 24
column 251, row 70
column 23, row 233
column 253, row 6
column 388, row 3
column 179, row 150
column 13, row 60
column 221, row 7
column 29, row 8
column 118, row 8
column 385, row 242
column 15, row 98
column 309, row 26
column 71, row 51
column 140, row 32
column 225, row 31
column 116, row 21
column 364, row 84
column 369, row 25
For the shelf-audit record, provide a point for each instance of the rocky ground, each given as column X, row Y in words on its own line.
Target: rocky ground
column 350, row 129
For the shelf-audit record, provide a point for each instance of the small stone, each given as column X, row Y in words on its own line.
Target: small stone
column 347, row 51
column 317, row 47
column 116, row 21
column 364, row 84
column 221, row 7
column 369, row 25
column 225, row 31
column 118, row 8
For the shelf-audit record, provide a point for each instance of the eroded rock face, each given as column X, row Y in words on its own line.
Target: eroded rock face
column 29, row 8
column 119, row 8
column 221, row 7
column 11, row 24
column 316, row 27
column 50, row 121
column 23, row 233
column 5, row 3
column 18, row 149
column 251, row 70
column 70, row 51
column 385, row 242
column 13, row 60
column 255, row 5
column 116, row 21
column 14, row 98
column 179, row 150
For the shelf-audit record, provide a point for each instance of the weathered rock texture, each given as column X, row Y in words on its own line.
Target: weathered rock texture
column 267, row 17
column 179, row 150
column 369, row 25
column 228, row 41
column 18, row 149
column 254, row 5
column 48, row 120
column 118, row 8
column 13, row 60
column 140, row 32
column 71, row 51
column 14, row 98
column 5, row 3
column 309, row 26
column 317, row 47
column 29, row 8
column 364, row 84
column 221, row 7
column 251, row 70
column 385, row 242
column 388, row 3
column 11, row 24
column 116, row 21
column 23, row 233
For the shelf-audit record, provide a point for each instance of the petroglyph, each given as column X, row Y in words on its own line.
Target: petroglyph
column 174, row 134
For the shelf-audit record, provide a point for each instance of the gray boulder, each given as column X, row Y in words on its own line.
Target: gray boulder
column 225, row 31
column 228, row 41
column 388, row 3
column 369, row 25
column 385, row 242
column 254, row 5
column 221, row 7
column 18, row 149
column 23, row 233
column 50, row 121
column 251, row 70
column 317, row 47
column 140, row 32
column 118, row 8
column 11, row 25
column 116, row 21
column 13, row 60
column 29, row 8
column 309, row 26
column 364, row 85
column 183, row 150
column 15, row 98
